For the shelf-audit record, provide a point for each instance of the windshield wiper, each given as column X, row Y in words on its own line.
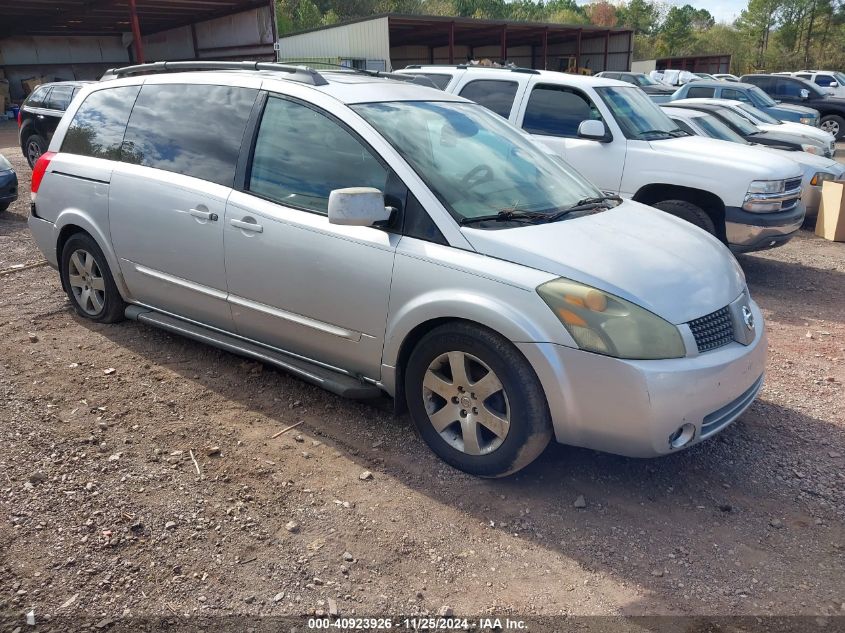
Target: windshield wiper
column 661, row 132
column 586, row 204
column 506, row 216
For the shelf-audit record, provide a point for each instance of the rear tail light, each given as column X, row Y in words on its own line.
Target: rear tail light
column 20, row 116
column 39, row 170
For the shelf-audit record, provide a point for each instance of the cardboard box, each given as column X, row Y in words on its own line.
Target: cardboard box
column 2, row 106
column 830, row 223
column 32, row 83
column 4, row 89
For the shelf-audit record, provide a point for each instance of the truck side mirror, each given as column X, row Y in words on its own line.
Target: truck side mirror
column 593, row 130
column 805, row 94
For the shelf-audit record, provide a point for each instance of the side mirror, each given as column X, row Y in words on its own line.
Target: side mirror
column 805, row 94
column 358, row 206
column 593, row 130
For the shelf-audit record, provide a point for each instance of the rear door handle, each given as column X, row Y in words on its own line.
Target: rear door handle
column 204, row 215
column 247, row 226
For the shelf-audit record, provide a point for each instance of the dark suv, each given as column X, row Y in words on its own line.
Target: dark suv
column 40, row 115
column 802, row 92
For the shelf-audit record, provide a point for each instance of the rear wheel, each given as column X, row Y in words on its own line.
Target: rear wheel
column 4, row 206
column 835, row 125
column 687, row 211
column 88, row 281
column 33, row 148
column 476, row 401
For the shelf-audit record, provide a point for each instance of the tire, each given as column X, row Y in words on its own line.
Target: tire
column 513, row 396
column 689, row 212
column 33, row 148
column 4, row 206
column 88, row 281
column 834, row 124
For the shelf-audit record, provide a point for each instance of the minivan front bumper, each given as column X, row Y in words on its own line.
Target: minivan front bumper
column 747, row 231
column 632, row 408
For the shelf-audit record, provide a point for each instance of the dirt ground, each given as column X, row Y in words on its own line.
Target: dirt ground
column 103, row 513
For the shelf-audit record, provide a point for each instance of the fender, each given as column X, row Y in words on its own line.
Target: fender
column 81, row 219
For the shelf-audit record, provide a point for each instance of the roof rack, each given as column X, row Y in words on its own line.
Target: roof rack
column 298, row 73
column 513, row 69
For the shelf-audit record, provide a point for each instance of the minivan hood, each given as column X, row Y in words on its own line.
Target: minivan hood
column 659, row 262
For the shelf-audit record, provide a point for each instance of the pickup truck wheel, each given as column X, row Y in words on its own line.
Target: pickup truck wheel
column 689, row 212
column 834, row 124
column 88, row 281
column 34, row 147
column 476, row 401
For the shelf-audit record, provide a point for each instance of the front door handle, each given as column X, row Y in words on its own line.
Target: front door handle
column 203, row 215
column 247, row 226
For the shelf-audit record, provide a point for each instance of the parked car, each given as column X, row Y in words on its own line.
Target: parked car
column 768, row 123
column 40, row 113
column 745, row 128
column 793, row 90
column 656, row 90
column 619, row 139
column 8, row 184
column 421, row 247
column 830, row 81
column 726, row 77
column 817, row 169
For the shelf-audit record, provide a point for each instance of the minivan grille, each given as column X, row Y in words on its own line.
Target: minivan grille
column 713, row 330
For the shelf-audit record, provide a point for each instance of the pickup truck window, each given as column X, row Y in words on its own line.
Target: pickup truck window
column 699, row 92
column 557, row 111
column 493, row 94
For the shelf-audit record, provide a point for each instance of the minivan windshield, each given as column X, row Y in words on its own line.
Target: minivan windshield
column 474, row 161
column 760, row 98
column 638, row 116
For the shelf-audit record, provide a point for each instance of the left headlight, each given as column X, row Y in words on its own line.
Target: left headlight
column 606, row 324
column 808, row 120
column 810, row 148
column 820, row 177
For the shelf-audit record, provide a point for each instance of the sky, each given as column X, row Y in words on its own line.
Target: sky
column 722, row 10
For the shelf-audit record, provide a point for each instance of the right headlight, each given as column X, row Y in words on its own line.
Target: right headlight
column 810, row 148
column 808, row 120
column 764, row 196
column 606, row 324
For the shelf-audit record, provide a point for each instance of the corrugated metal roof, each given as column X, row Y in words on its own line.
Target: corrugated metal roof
column 110, row 17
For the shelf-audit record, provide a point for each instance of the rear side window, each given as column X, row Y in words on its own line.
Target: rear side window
column 493, row 94
column 698, row 92
column 557, row 111
column 788, row 88
column 59, row 98
column 301, row 155
column 38, row 97
column 98, row 126
column 441, row 81
column 190, row 129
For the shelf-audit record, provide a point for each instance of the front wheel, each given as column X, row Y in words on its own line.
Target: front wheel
column 476, row 400
column 88, row 281
column 688, row 211
column 834, row 124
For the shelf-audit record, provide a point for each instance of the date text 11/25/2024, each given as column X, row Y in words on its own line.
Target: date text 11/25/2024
column 417, row 624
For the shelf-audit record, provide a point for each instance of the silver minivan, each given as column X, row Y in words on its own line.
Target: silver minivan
column 372, row 236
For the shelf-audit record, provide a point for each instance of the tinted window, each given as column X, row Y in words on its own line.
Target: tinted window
column 684, row 126
column 630, row 79
column 59, row 98
column 38, row 97
column 787, row 88
column 736, row 95
column 301, row 155
column 766, row 83
column 696, row 92
column 99, row 124
column 803, row 76
column 419, row 224
column 824, row 80
column 492, row 94
column 557, row 111
column 441, row 81
column 194, row 130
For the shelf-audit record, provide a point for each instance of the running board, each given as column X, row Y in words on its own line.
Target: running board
column 336, row 382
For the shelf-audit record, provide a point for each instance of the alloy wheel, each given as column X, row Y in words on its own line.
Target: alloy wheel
column 33, row 152
column 86, row 281
column 831, row 127
column 466, row 403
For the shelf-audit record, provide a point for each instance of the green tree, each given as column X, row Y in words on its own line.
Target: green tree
column 676, row 31
column 641, row 16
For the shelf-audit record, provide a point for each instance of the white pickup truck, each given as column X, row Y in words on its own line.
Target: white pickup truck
column 620, row 140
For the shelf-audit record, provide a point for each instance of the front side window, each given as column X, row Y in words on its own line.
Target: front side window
column 99, row 124
column 473, row 161
column 700, row 92
column 493, row 94
column 301, row 155
column 638, row 116
column 736, row 95
column 190, row 129
column 557, row 111
column 824, row 80
column 760, row 98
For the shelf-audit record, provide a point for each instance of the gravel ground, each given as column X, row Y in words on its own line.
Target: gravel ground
column 104, row 514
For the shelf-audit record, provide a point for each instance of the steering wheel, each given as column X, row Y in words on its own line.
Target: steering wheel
column 477, row 176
